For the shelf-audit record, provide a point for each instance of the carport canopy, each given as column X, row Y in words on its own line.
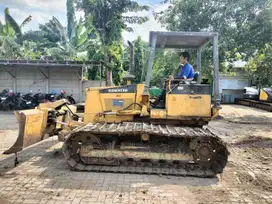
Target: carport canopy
column 185, row 40
column 181, row 40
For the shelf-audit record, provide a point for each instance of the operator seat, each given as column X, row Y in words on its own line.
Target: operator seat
column 196, row 76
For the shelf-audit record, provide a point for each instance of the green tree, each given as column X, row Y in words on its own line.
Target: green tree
column 109, row 20
column 10, row 36
column 115, row 53
column 165, row 63
column 108, row 17
column 53, row 36
column 243, row 25
column 9, row 49
column 54, row 32
column 71, row 19
column 260, row 66
column 139, row 58
column 11, row 28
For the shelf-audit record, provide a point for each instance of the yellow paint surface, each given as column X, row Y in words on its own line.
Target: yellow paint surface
column 188, row 105
column 263, row 95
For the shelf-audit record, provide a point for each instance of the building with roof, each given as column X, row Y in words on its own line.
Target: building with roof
column 231, row 85
column 45, row 76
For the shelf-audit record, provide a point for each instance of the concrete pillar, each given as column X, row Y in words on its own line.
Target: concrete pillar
column 216, row 96
column 48, row 80
column 47, row 90
column 81, row 91
column 15, row 80
column 199, row 64
column 150, row 61
column 100, row 73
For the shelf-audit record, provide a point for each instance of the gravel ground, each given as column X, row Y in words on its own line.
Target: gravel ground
column 43, row 176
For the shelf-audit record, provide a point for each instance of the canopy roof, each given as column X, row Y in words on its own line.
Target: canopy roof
column 181, row 40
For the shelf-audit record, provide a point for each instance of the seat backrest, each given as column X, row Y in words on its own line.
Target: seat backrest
column 196, row 76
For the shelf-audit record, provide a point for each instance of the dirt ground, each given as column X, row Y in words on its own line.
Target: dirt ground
column 43, row 176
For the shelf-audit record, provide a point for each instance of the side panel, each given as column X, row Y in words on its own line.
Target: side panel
column 140, row 90
column 264, row 95
column 93, row 105
column 158, row 113
column 188, row 105
column 103, row 103
column 189, row 100
column 117, row 101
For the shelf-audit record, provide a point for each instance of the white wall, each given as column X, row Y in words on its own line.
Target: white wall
column 30, row 78
column 6, row 81
column 231, row 88
column 65, row 79
column 232, row 83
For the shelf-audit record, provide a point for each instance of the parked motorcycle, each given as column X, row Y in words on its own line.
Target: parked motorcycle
column 49, row 98
column 4, row 94
column 63, row 95
column 10, row 101
column 27, row 101
column 18, row 101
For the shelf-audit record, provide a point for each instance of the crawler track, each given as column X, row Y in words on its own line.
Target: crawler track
column 169, row 150
column 255, row 104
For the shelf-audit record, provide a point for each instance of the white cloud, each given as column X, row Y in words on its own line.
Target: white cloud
column 42, row 5
column 1, row 17
column 43, row 10
column 40, row 10
column 144, row 29
column 37, row 18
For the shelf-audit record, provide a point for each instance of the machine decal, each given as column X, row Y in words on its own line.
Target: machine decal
column 117, row 102
column 200, row 89
column 120, row 89
column 195, row 97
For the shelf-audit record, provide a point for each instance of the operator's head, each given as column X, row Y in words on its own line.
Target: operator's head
column 184, row 57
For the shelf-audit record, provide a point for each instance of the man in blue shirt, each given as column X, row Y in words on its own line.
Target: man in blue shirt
column 186, row 70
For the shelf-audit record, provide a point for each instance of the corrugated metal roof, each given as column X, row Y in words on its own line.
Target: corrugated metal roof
column 181, row 39
column 50, row 63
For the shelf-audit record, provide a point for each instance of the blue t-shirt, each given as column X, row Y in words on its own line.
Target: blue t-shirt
column 187, row 71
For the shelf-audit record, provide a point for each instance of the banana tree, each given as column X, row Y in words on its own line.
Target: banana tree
column 61, row 46
column 9, row 49
column 10, row 34
column 11, row 28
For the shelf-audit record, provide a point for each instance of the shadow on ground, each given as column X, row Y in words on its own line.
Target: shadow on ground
column 253, row 141
column 50, row 165
column 247, row 119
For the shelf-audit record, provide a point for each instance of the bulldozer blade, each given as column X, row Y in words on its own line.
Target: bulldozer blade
column 31, row 126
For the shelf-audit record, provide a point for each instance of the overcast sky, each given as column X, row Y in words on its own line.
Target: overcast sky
column 43, row 10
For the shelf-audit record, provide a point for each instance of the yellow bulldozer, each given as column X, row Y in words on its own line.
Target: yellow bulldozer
column 257, row 98
column 122, row 132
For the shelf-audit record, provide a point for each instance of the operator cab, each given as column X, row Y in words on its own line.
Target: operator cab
column 179, row 86
column 185, row 100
